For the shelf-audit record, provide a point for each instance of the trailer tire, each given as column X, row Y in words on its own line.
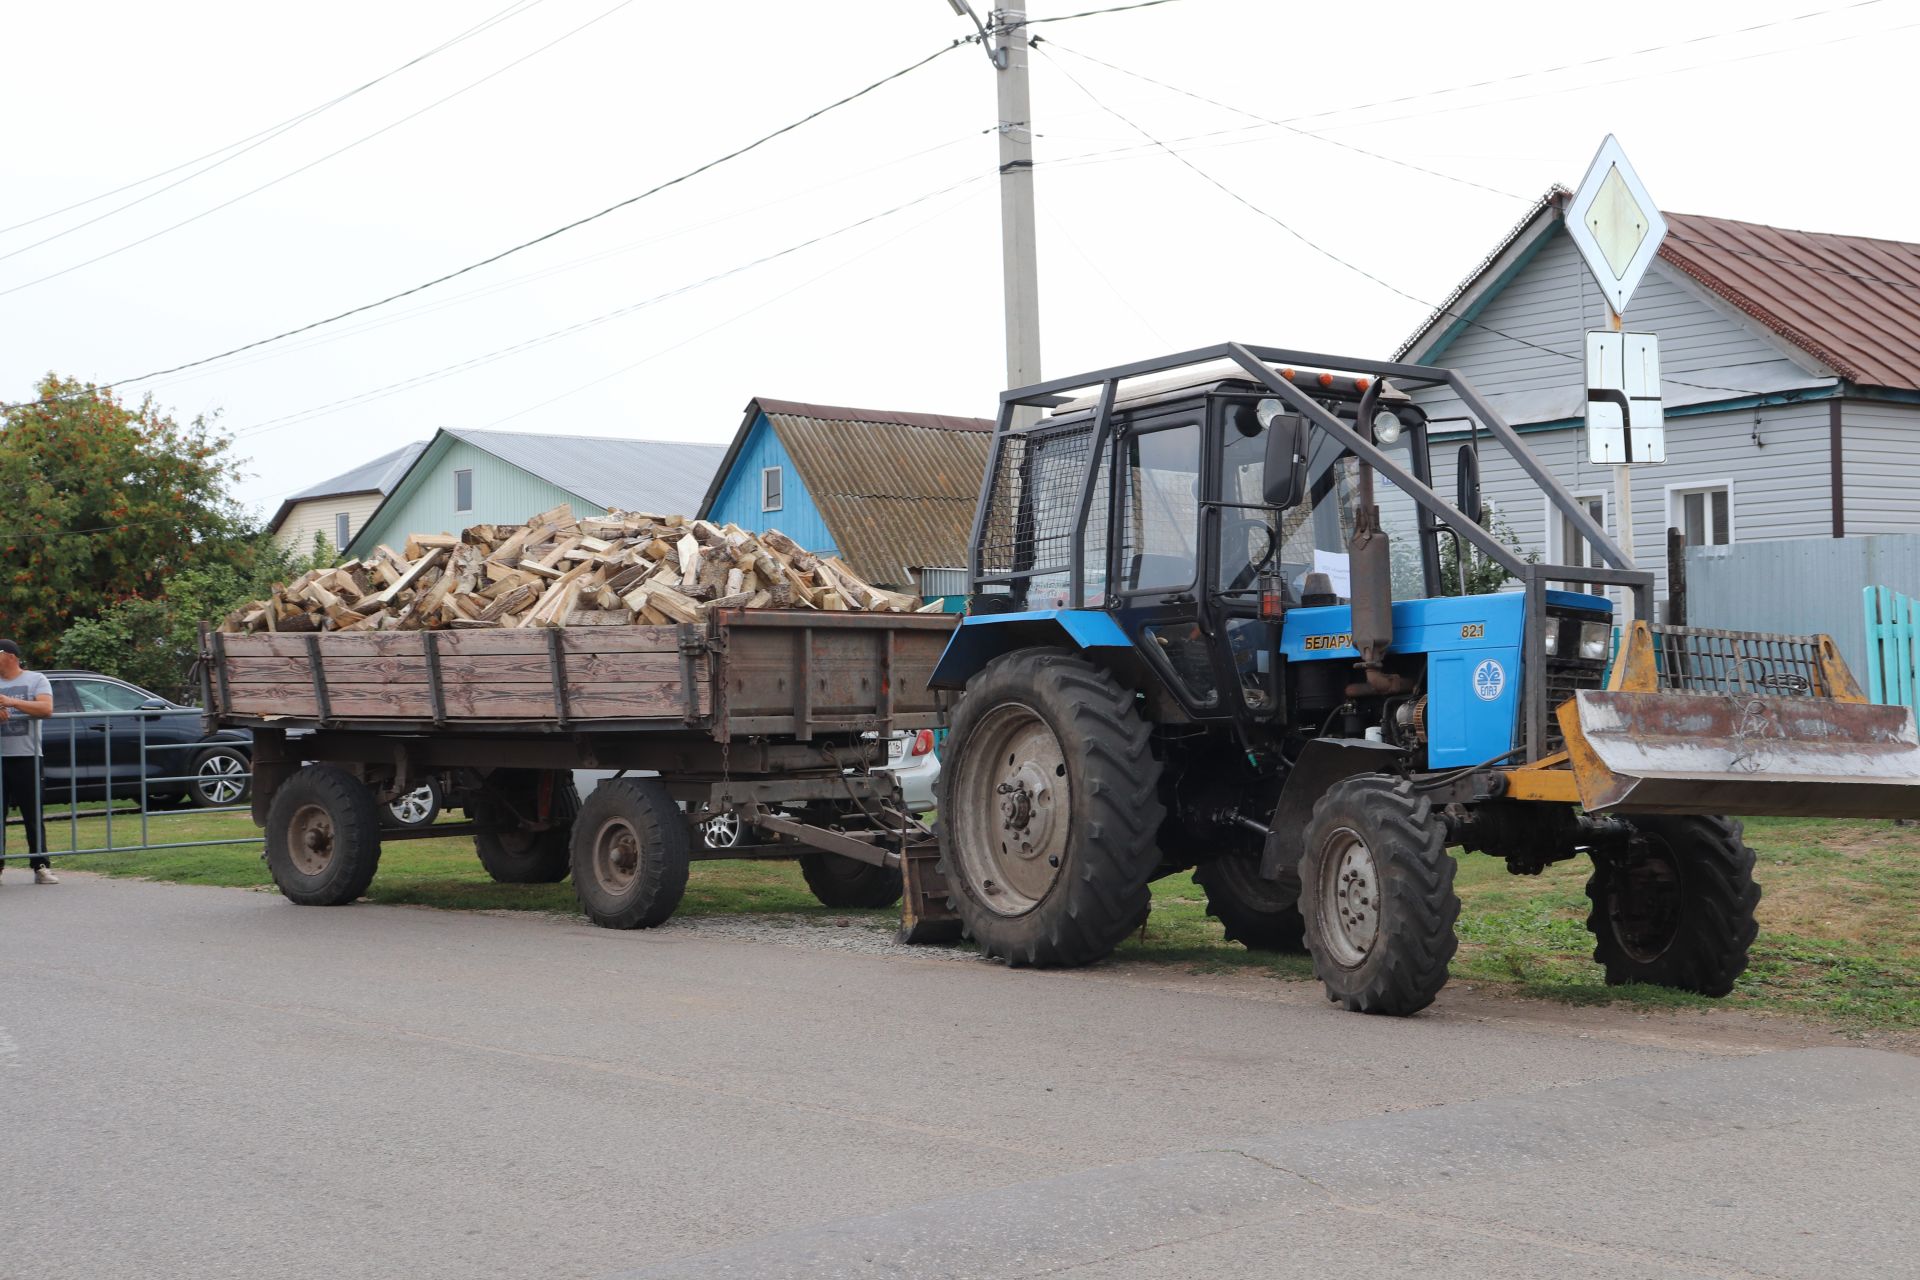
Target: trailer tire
column 1677, row 910
column 839, row 881
column 1377, row 896
column 1049, row 803
column 323, row 837
column 630, row 852
column 1258, row 913
column 526, row 857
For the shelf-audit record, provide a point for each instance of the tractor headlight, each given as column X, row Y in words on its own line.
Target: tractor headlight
column 1595, row 639
column 1266, row 411
column 1386, row 427
column 1551, row 641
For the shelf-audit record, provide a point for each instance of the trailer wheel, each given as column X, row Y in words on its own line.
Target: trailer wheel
column 323, row 837
column 1676, row 909
column 630, row 854
column 525, row 857
column 1377, row 896
column 1049, row 803
column 1258, row 913
column 839, row 881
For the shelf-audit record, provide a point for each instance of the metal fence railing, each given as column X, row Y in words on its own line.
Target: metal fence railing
column 115, row 781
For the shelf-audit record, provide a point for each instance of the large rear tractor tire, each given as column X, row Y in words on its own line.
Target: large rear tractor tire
column 514, row 856
column 630, row 853
column 1048, row 809
column 323, row 837
column 1257, row 913
column 839, row 881
column 1377, row 896
column 1675, row 909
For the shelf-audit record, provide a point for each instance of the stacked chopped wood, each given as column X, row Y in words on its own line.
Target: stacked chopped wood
column 560, row 570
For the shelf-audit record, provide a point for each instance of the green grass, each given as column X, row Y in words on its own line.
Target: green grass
column 1839, row 937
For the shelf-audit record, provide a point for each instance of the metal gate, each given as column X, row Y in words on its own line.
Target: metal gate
column 114, row 782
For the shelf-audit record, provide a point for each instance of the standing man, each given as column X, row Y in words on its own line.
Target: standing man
column 26, row 698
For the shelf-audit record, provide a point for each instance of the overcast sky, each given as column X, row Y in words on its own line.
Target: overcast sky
column 1803, row 122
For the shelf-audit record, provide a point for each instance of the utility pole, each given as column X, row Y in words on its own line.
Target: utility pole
column 1004, row 37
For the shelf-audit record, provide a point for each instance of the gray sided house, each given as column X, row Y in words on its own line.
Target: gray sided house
column 1790, row 366
column 464, row 478
column 337, row 509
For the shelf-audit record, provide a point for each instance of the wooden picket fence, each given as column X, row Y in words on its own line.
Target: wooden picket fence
column 1893, row 648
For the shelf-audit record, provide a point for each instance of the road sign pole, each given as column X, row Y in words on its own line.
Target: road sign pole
column 1623, row 497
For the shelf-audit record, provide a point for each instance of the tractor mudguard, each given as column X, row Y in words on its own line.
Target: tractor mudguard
column 980, row 638
column 1322, row 762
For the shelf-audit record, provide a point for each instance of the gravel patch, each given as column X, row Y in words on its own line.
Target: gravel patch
column 844, row 933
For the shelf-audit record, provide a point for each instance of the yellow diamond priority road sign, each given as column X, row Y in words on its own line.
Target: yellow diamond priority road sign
column 1614, row 224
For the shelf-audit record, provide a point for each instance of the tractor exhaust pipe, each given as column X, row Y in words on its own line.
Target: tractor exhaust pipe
column 1370, row 570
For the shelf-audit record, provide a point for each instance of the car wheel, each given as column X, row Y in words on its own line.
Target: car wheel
column 221, row 777
column 722, row 831
column 416, row 808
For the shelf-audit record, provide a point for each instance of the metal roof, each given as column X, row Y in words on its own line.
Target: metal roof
column 896, row 490
column 377, row 476
column 1849, row 301
column 665, row 477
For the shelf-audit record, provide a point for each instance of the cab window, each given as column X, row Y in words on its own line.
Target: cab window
column 1159, row 536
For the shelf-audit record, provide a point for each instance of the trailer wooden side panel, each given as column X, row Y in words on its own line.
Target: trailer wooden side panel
column 744, row 673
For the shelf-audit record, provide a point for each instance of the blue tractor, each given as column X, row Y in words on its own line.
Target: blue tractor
column 1218, row 620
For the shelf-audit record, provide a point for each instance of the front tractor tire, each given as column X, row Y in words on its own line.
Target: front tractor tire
column 323, row 837
column 1675, row 907
column 1258, row 913
column 1376, row 894
column 839, row 881
column 1049, row 803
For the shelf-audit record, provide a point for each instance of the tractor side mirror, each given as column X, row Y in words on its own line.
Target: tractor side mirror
column 1286, row 472
column 1466, row 477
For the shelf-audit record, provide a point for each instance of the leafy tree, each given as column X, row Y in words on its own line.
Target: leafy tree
column 1484, row 575
column 104, row 503
column 153, row 642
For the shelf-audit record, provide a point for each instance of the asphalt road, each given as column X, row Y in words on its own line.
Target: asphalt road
column 208, row 1082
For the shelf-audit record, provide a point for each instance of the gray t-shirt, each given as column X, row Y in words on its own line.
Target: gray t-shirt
column 20, row 732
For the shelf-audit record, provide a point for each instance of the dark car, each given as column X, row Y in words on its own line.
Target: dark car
column 106, row 734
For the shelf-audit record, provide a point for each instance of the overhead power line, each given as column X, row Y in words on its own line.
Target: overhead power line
column 274, row 182
column 473, row 362
column 1335, row 258
column 1281, row 124
column 1094, row 13
column 735, row 154
column 241, row 146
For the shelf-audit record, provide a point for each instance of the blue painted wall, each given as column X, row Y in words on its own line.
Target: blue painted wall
column 739, row 498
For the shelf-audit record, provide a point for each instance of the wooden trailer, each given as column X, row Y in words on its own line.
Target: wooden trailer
column 776, row 717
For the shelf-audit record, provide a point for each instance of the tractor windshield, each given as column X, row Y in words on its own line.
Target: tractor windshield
column 1315, row 534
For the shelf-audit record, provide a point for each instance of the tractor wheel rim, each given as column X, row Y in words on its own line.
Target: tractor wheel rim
column 1349, row 896
column 722, row 831
column 310, row 839
column 1645, row 905
column 221, row 778
column 1016, row 809
column 415, row 805
column 616, row 855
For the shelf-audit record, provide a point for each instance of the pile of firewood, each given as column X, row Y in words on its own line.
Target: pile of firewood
column 556, row 570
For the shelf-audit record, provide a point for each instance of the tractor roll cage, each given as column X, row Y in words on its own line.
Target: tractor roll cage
column 1259, row 364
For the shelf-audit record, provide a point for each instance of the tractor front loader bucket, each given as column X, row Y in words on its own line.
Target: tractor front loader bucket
column 1699, row 721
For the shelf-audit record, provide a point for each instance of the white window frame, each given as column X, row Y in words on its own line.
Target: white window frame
column 780, row 480
column 468, row 473
column 1675, row 517
column 342, row 529
column 1556, row 548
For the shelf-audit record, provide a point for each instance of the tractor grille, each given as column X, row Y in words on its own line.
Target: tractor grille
column 1702, row 660
column 1028, row 531
column 1566, row 677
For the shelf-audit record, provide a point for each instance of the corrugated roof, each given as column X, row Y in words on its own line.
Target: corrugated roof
column 897, row 490
column 1851, row 302
column 662, row 476
column 377, row 476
